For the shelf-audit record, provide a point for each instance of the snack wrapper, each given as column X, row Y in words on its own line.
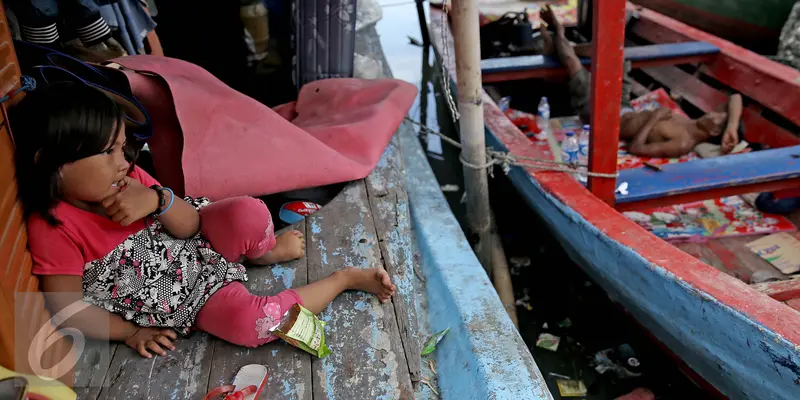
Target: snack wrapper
column 302, row 329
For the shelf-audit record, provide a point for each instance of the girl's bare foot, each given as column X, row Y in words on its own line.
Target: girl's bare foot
column 373, row 280
column 289, row 246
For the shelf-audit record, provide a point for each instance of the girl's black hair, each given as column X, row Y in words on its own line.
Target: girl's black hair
column 56, row 125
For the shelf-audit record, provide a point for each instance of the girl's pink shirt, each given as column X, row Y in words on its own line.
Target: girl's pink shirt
column 82, row 236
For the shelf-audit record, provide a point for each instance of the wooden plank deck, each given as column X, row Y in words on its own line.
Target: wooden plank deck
column 375, row 346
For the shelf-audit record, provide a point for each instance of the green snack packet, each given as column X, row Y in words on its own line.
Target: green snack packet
column 430, row 345
column 302, row 329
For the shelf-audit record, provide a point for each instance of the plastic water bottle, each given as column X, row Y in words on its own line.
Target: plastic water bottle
column 583, row 142
column 570, row 149
column 543, row 122
column 504, row 104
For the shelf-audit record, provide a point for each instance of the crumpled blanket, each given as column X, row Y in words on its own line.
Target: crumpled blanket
column 210, row 140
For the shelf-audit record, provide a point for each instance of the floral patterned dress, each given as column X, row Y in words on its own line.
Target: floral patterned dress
column 155, row 279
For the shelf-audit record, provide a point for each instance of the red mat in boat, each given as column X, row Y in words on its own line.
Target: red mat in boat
column 211, row 140
column 526, row 122
column 709, row 219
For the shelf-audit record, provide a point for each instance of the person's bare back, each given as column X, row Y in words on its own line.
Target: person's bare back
column 662, row 133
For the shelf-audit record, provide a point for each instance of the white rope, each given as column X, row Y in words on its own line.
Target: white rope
column 507, row 160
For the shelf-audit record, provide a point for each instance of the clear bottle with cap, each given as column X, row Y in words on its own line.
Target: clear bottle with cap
column 583, row 142
column 543, row 119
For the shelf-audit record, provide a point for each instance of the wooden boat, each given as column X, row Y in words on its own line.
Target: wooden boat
column 376, row 347
column 753, row 24
column 735, row 338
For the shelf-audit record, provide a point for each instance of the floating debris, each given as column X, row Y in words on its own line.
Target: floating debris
column 548, row 341
column 565, row 323
column 545, row 326
column 555, row 375
column 517, row 263
column 430, row 345
column 520, row 261
column 450, row 188
column 571, row 388
column 618, row 362
column 525, row 300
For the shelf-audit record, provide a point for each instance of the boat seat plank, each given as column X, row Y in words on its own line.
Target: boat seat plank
column 738, row 173
column 289, row 367
column 368, row 360
column 497, row 69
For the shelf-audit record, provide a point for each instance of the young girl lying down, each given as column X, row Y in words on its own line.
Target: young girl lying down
column 106, row 233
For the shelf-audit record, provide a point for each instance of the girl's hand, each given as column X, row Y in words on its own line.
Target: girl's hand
column 132, row 202
column 153, row 339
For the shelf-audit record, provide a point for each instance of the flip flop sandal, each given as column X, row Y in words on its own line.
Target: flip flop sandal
column 247, row 384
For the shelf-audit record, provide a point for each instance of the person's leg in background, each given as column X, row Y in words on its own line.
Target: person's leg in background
column 38, row 20
column 579, row 79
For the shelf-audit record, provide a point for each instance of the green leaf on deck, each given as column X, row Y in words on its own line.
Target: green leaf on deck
column 430, row 345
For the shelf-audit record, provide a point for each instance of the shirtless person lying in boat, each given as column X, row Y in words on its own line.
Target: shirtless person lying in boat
column 657, row 133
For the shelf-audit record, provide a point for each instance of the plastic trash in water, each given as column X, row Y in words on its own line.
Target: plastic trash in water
column 571, row 388
column 621, row 362
column 548, row 341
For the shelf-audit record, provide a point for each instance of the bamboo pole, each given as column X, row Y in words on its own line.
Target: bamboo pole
column 501, row 276
column 466, row 35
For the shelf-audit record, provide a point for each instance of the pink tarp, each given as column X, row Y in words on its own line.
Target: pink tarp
column 210, row 140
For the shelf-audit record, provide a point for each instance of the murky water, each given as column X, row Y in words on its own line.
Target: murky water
column 552, row 289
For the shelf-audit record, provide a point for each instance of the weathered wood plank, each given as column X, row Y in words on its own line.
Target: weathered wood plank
column 181, row 374
column 92, row 368
column 368, row 360
column 758, row 269
column 389, row 203
column 289, row 367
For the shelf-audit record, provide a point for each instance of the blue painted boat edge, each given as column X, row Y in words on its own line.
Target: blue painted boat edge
column 740, row 357
column 483, row 356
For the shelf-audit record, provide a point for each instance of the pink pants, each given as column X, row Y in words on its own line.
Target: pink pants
column 241, row 228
